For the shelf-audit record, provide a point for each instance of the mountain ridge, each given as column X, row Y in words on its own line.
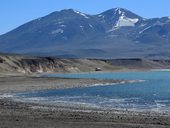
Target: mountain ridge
column 115, row 33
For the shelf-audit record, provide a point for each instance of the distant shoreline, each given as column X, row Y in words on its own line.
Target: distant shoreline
column 30, row 65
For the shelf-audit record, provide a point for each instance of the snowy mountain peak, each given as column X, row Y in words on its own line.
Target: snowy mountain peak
column 116, row 13
column 71, row 12
column 82, row 14
column 114, row 33
column 120, row 17
column 119, row 11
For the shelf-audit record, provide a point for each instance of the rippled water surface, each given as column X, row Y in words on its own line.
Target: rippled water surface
column 152, row 94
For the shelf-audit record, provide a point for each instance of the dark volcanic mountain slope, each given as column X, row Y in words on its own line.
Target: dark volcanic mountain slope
column 115, row 33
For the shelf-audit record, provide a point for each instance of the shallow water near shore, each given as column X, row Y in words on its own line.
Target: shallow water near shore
column 151, row 94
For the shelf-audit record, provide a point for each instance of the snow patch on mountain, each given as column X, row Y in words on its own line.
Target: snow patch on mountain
column 125, row 21
column 145, row 29
column 82, row 14
column 60, row 22
column 118, row 10
column 101, row 16
column 65, row 38
column 142, row 25
column 82, row 28
column 91, row 25
column 57, row 31
column 62, row 25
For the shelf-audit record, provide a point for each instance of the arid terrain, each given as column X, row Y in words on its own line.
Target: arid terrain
column 20, row 74
column 26, row 65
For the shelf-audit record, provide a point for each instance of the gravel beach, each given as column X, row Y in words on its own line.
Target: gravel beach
column 31, row 115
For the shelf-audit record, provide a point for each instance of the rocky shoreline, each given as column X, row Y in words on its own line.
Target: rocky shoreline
column 16, row 114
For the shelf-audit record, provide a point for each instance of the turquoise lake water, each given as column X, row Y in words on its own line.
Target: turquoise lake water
column 152, row 95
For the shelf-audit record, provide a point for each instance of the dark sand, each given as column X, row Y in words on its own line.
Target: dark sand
column 29, row 115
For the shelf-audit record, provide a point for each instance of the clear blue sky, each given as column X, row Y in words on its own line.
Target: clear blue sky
column 14, row 13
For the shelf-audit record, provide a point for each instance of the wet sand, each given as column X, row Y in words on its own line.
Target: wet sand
column 29, row 83
column 31, row 115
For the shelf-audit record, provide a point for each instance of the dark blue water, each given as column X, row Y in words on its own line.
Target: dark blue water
column 153, row 94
